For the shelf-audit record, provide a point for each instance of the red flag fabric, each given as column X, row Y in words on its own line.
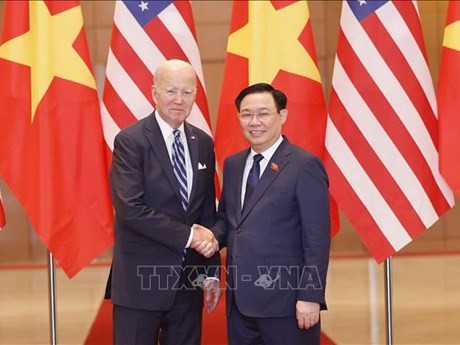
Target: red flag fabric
column 144, row 35
column 2, row 214
column 381, row 137
column 272, row 42
column 449, row 100
column 51, row 140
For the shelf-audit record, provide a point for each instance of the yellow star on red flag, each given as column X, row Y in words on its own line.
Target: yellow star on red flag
column 270, row 40
column 48, row 49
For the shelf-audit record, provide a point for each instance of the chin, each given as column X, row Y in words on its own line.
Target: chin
column 257, row 140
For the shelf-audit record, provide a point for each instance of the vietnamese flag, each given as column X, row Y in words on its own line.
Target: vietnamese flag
column 272, row 42
column 449, row 100
column 51, row 141
column 2, row 214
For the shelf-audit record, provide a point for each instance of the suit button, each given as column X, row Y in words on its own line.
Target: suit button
column 238, row 231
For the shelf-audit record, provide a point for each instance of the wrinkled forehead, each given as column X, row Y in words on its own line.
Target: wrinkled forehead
column 175, row 76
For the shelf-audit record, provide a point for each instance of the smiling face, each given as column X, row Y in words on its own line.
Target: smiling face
column 174, row 91
column 260, row 120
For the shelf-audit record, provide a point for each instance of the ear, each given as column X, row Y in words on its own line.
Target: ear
column 284, row 115
column 154, row 95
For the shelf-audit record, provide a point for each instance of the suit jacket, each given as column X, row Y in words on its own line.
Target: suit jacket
column 151, row 227
column 278, row 246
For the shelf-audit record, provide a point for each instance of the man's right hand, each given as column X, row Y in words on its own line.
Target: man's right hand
column 203, row 241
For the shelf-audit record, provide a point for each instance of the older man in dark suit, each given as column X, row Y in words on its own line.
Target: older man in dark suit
column 162, row 184
column 274, row 219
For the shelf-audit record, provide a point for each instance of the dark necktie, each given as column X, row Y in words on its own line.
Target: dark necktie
column 253, row 178
column 178, row 157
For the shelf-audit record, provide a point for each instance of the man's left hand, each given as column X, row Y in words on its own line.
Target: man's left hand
column 212, row 294
column 307, row 314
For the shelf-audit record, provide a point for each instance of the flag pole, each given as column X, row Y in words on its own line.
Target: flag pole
column 52, row 298
column 389, row 299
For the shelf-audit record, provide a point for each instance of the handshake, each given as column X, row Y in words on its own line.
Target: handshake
column 203, row 241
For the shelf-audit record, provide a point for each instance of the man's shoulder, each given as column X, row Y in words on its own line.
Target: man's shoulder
column 306, row 159
column 137, row 125
column 194, row 130
column 297, row 151
column 302, row 153
column 135, row 130
column 237, row 156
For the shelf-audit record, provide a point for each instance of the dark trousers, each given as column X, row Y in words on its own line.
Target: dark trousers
column 244, row 330
column 181, row 325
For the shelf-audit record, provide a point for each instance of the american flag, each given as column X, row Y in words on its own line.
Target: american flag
column 381, row 136
column 145, row 34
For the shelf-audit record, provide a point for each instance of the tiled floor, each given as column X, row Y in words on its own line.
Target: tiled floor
column 425, row 296
column 24, row 306
column 426, row 302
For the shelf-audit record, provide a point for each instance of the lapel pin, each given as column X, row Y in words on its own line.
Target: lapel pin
column 274, row 166
column 192, row 137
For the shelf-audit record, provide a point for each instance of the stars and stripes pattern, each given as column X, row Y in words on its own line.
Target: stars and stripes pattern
column 145, row 34
column 178, row 158
column 381, row 136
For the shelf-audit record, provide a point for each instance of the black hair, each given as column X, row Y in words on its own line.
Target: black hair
column 278, row 96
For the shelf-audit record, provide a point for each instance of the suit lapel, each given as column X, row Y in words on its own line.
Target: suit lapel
column 274, row 168
column 239, row 170
column 193, row 146
column 155, row 137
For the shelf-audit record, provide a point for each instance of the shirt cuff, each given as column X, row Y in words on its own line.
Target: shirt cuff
column 189, row 242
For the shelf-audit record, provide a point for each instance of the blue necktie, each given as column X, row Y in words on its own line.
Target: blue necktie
column 253, row 178
column 178, row 157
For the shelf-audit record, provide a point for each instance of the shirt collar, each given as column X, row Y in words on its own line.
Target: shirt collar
column 268, row 153
column 165, row 128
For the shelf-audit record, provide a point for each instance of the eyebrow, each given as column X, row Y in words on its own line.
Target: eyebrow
column 258, row 109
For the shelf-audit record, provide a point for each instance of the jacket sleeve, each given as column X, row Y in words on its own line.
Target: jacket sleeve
column 208, row 215
column 313, row 197
column 127, row 186
column 221, row 225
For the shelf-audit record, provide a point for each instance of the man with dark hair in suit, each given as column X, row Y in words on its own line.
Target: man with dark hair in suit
column 274, row 219
column 162, row 183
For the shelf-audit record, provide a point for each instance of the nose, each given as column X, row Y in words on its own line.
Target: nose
column 179, row 99
column 254, row 120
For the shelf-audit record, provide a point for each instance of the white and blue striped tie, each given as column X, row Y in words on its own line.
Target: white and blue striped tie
column 178, row 157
